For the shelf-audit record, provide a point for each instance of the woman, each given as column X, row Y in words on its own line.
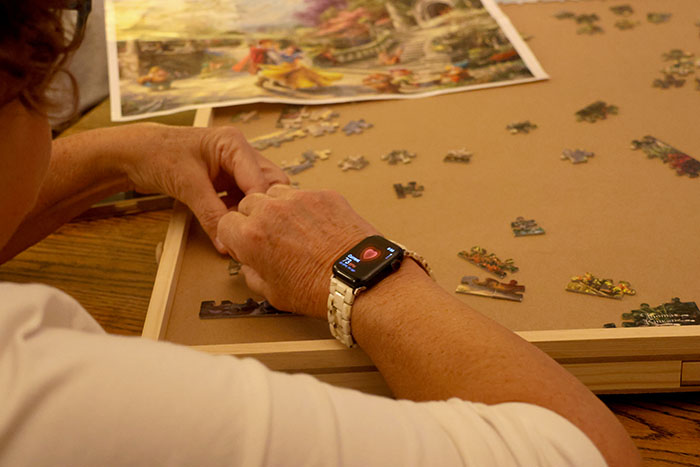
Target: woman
column 71, row 395
column 292, row 73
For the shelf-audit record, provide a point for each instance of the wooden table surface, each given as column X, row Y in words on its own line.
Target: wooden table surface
column 109, row 265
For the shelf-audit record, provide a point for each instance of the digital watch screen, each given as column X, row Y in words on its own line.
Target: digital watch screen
column 368, row 262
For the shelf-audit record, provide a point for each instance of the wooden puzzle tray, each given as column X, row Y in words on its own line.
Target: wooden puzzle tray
column 620, row 215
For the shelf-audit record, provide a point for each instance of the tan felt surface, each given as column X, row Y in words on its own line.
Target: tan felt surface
column 620, row 215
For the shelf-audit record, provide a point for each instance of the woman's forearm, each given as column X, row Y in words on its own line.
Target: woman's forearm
column 430, row 346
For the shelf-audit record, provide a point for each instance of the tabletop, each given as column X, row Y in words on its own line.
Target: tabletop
column 109, row 266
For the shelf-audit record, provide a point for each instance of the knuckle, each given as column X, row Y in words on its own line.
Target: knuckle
column 273, row 208
column 329, row 197
column 224, row 225
column 232, row 131
column 208, row 219
column 252, row 234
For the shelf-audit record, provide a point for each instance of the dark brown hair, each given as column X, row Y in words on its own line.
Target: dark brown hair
column 33, row 49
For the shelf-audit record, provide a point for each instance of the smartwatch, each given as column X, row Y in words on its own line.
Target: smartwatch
column 363, row 266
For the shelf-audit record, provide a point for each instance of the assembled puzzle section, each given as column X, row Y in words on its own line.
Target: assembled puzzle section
column 206, row 286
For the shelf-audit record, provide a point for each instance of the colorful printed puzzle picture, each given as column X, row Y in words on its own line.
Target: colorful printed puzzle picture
column 598, row 110
column 410, row 189
column 458, row 155
column 471, row 285
column 657, row 149
column 228, row 309
column 357, row 162
column 526, row 227
column 489, row 261
column 591, row 285
column 182, row 54
column 675, row 313
column 521, row 127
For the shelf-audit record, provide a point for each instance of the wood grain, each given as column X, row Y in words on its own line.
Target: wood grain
column 109, row 266
column 665, row 427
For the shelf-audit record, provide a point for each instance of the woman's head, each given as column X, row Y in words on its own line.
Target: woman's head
column 34, row 45
column 35, row 41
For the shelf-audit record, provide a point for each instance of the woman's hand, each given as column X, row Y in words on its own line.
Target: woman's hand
column 287, row 240
column 193, row 165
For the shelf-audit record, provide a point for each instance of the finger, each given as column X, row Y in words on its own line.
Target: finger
column 242, row 162
column 250, row 202
column 199, row 194
column 255, row 282
column 228, row 232
column 278, row 190
column 272, row 173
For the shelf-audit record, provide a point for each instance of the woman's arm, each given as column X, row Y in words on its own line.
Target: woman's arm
column 427, row 344
column 190, row 164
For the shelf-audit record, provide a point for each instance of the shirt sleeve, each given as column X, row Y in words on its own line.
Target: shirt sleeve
column 75, row 396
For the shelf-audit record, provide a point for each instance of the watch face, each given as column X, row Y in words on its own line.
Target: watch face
column 368, row 262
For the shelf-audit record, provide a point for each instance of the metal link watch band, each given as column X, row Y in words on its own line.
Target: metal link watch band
column 340, row 301
column 342, row 297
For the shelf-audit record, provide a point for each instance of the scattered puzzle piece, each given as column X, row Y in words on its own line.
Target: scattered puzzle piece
column 658, row 18
column 669, row 81
column 677, row 54
column 521, row 127
column 524, row 228
column 228, row 309
column 353, row 163
column 576, row 156
column 458, row 155
column 245, row 117
column 308, row 158
column 399, row 155
column 291, row 116
column 293, row 169
column 356, row 127
column 412, row 189
column 323, row 115
column 626, row 24
column 565, row 15
column 598, row 110
column 683, row 63
column 681, row 162
column 322, row 128
column 322, row 154
column 587, row 18
column 622, row 10
column 591, row 285
column 587, row 22
column 276, row 139
column 590, row 29
column 675, row 313
column 490, row 262
column 491, row 288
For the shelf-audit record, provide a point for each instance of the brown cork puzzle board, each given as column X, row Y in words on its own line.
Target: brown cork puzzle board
column 620, row 215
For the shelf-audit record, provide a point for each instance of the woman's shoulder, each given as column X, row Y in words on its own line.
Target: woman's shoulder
column 28, row 307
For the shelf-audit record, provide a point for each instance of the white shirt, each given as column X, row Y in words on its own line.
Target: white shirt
column 72, row 395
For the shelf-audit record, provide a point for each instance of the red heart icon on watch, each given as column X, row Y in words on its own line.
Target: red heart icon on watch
column 369, row 253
